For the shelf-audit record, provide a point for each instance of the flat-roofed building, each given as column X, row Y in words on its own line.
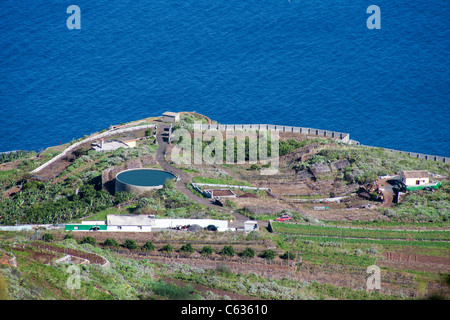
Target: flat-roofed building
column 170, row 117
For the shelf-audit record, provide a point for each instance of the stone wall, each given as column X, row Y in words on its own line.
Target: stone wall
column 344, row 137
column 415, row 154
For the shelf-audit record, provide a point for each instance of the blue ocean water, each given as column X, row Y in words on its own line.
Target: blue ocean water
column 291, row 62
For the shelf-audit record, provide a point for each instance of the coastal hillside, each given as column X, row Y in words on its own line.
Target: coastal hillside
column 329, row 211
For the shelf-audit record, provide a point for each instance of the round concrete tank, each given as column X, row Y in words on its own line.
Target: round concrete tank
column 141, row 180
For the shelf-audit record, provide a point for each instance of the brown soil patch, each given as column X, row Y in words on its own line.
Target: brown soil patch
column 415, row 258
column 401, row 260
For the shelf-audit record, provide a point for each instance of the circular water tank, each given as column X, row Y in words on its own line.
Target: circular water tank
column 141, row 180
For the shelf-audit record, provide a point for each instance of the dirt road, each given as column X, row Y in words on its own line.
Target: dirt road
column 184, row 178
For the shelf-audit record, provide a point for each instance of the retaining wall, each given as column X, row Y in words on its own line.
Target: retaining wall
column 344, row 137
column 414, row 154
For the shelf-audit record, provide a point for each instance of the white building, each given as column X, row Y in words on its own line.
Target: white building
column 250, row 225
column 170, row 117
column 147, row 223
column 415, row 177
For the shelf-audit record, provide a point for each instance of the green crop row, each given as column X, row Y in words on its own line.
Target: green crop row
column 359, row 233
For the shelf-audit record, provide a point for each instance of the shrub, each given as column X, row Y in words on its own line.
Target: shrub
column 230, row 204
column 187, row 248
column 223, row 269
column 268, row 254
column 166, row 248
column 47, row 237
column 130, row 244
column 288, row 255
column 148, row 246
column 227, row 251
column 111, row 242
column 330, row 244
column 247, row 253
column 68, row 236
column 89, row 240
column 207, row 250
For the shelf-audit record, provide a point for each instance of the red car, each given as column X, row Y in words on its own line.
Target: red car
column 284, row 217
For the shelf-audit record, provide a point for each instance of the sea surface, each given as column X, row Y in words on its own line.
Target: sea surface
column 288, row 62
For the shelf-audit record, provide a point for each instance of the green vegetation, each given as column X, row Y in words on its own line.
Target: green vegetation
column 187, row 248
column 207, row 250
column 148, row 246
column 89, row 240
column 16, row 155
column 111, row 243
column 227, row 251
column 48, row 237
column 130, row 244
column 303, row 229
column 423, row 206
column 268, row 254
column 227, row 180
column 290, row 145
column 166, row 248
column 247, row 253
column 367, row 164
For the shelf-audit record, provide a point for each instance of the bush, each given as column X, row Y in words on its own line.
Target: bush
column 148, row 246
column 89, row 240
column 223, row 269
column 187, row 248
column 47, row 237
column 288, row 255
column 69, row 236
column 207, row 250
column 130, row 244
column 330, row 244
column 166, row 248
column 230, row 204
column 268, row 254
column 247, row 253
column 111, row 242
column 227, row 251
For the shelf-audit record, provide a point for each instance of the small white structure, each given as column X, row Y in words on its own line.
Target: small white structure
column 220, row 193
column 415, row 177
column 112, row 145
column 170, row 117
column 251, row 225
column 130, row 223
column 147, row 223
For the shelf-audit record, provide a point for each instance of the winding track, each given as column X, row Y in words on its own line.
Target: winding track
column 184, row 178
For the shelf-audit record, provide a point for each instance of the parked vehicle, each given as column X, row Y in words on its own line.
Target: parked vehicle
column 211, row 228
column 284, row 217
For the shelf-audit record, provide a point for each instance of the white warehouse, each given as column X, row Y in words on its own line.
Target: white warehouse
column 144, row 223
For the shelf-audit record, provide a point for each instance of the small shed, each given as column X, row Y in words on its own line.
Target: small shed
column 170, row 117
column 251, row 225
column 415, row 177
